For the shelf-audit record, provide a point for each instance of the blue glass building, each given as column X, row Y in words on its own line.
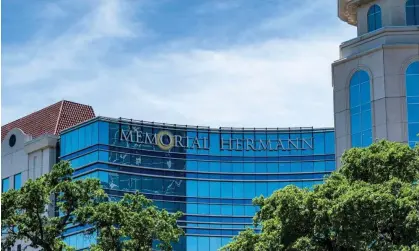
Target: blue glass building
column 210, row 174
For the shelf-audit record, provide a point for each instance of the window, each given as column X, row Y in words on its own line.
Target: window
column 17, row 181
column 360, row 109
column 412, row 99
column 12, row 140
column 412, row 12
column 374, row 18
column 19, row 247
column 5, row 185
column 34, row 167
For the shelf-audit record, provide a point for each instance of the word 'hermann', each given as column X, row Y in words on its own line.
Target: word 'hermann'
column 266, row 145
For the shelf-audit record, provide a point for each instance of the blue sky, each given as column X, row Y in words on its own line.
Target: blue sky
column 251, row 63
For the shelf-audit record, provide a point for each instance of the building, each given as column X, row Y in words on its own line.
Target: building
column 30, row 147
column 210, row 174
column 376, row 79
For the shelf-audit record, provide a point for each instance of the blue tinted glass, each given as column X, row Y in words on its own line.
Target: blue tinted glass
column 374, row 18
column 357, row 140
column 5, row 185
column 412, row 85
column 192, row 188
column 413, row 113
column 356, row 123
column 412, row 12
column 203, row 189
column 365, row 93
column 192, row 243
column 215, row 243
column 226, row 190
column 413, row 68
column 412, row 100
column 361, row 116
column 413, row 132
column 366, row 120
column 209, row 186
column 367, row 138
column 82, row 137
column 330, row 143
column 17, row 181
column 355, row 95
column 103, row 132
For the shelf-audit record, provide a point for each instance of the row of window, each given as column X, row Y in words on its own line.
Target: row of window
column 189, row 163
column 197, row 243
column 17, row 183
column 360, row 106
column 291, row 172
column 194, row 188
column 374, row 17
column 180, row 168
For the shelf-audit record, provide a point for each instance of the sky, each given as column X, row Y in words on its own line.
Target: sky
column 239, row 63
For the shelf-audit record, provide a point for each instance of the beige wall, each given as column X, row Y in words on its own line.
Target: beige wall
column 30, row 157
column 386, row 65
column 393, row 13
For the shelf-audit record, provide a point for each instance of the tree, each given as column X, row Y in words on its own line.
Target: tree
column 129, row 224
column 24, row 212
column 132, row 223
column 370, row 203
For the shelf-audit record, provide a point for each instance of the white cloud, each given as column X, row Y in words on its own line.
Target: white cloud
column 270, row 83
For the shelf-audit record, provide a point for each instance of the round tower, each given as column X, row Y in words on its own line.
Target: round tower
column 376, row 79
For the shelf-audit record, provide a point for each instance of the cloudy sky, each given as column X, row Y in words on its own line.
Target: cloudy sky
column 251, row 63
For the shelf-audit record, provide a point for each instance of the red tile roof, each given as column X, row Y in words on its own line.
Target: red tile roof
column 51, row 120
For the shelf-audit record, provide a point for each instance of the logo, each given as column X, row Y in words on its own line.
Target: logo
column 165, row 140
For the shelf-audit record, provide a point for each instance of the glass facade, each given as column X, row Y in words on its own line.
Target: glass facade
column 17, row 181
column 5, row 185
column 360, row 109
column 374, row 18
column 211, row 175
column 412, row 12
column 412, row 99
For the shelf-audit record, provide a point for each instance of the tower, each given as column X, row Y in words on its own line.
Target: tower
column 376, row 79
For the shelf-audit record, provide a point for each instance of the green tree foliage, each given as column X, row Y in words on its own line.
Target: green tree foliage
column 370, row 203
column 132, row 223
column 129, row 224
column 24, row 212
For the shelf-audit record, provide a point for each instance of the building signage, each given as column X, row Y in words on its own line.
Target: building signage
column 165, row 140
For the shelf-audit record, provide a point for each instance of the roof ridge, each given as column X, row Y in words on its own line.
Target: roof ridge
column 59, row 116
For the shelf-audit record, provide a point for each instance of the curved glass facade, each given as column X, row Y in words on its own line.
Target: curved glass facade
column 374, row 18
column 360, row 108
column 211, row 175
column 412, row 99
column 412, row 12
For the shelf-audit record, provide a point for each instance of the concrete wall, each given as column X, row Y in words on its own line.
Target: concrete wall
column 393, row 13
column 386, row 66
column 30, row 157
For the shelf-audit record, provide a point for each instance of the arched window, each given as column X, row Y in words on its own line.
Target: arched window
column 374, row 18
column 360, row 108
column 412, row 98
column 412, row 12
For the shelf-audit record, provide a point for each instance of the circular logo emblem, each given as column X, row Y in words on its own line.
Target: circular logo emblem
column 165, row 140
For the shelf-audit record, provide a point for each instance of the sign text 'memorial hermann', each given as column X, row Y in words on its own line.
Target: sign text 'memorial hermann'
column 165, row 140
